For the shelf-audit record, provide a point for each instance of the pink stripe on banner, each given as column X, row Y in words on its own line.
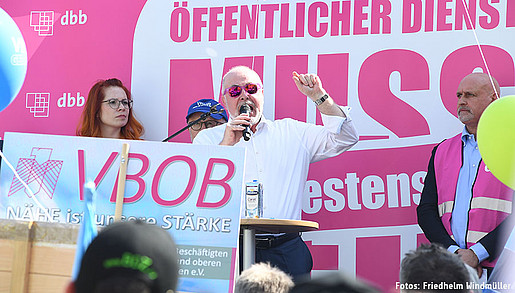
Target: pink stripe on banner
column 333, row 70
column 510, row 14
column 373, row 137
column 184, row 91
column 325, row 257
column 386, row 271
column 233, row 266
column 421, row 238
column 286, row 92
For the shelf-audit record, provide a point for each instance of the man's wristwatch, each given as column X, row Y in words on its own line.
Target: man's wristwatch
column 321, row 100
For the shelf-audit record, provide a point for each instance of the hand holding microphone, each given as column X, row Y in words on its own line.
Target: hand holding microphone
column 237, row 127
column 245, row 109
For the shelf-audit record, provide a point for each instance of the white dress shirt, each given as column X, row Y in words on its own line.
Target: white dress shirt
column 279, row 153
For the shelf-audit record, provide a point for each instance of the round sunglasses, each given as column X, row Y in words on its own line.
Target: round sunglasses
column 235, row 90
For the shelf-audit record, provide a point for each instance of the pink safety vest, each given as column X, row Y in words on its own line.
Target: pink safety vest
column 491, row 199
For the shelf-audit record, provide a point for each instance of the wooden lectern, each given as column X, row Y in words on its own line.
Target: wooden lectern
column 250, row 226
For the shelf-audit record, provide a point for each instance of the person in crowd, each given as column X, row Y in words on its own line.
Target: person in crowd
column 463, row 206
column 108, row 112
column 431, row 268
column 279, row 154
column 263, row 278
column 128, row 257
column 334, row 282
column 204, row 106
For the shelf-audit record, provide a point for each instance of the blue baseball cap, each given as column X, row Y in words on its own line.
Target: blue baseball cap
column 204, row 106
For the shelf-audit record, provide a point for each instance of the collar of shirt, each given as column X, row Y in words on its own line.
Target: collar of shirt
column 468, row 139
column 263, row 123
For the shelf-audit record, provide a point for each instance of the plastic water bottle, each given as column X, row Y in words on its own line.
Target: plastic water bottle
column 253, row 199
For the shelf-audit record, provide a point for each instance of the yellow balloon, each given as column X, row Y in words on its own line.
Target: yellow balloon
column 496, row 139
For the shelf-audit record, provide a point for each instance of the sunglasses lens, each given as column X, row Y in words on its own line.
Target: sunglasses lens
column 251, row 88
column 235, row 91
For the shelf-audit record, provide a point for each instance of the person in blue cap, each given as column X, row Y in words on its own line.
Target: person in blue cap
column 204, row 106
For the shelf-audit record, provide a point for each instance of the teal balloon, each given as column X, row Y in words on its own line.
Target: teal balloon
column 13, row 60
column 496, row 139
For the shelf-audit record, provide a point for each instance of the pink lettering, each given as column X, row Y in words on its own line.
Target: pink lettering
column 249, row 22
column 134, row 177
column 359, row 17
column 214, row 22
column 159, row 172
column 381, row 10
column 374, row 81
column 510, row 14
column 463, row 61
column 333, row 69
column 301, row 20
column 269, row 10
column 198, row 23
column 101, row 174
column 411, row 16
column 285, row 32
column 220, row 182
column 180, row 23
column 230, row 22
column 441, row 16
column 428, row 24
column 493, row 14
column 317, row 29
column 184, row 90
column 286, row 92
column 461, row 14
column 242, row 22
column 340, row 19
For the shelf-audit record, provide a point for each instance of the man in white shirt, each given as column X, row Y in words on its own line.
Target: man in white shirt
column 279, row 153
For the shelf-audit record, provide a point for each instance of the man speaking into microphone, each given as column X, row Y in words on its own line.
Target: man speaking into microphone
column 245, row 109
column 279, row 154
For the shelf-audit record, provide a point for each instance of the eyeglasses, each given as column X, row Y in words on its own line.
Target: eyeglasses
column 235, row 90
column 115, row 103
column 206, row 125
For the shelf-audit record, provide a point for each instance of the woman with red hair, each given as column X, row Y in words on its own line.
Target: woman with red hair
column 108, row 112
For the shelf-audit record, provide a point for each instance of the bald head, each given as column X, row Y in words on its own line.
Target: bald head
column 240, row 76
column 240, row 70
column 475, row 92
column 483, row 80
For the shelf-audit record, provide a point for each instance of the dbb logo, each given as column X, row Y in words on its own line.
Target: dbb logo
column 70, row 18
column 67, row 100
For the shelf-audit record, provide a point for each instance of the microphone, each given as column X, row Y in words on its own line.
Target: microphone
column 246, row 132
column 202, row 117
column 213, row 109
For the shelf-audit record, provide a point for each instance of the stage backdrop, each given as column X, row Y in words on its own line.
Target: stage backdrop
column 397, row 63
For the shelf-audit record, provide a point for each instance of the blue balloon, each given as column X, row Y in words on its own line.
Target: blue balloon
column 13, row 60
